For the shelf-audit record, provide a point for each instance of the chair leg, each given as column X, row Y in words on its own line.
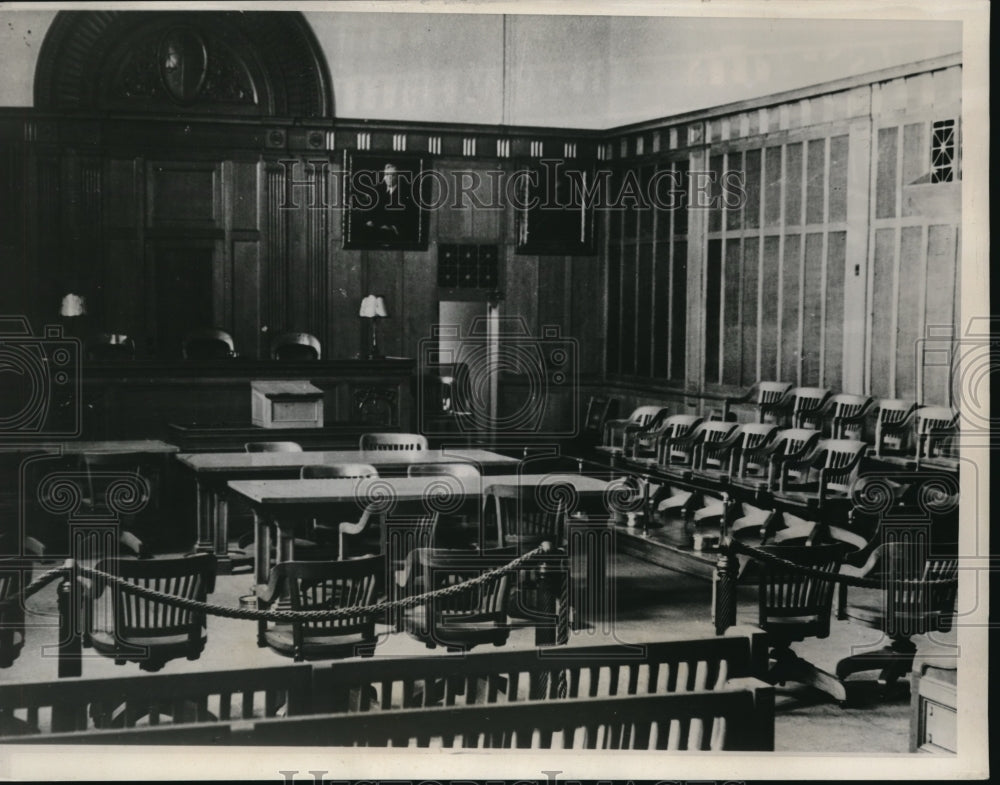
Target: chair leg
column 892, row 661
column 790, row 667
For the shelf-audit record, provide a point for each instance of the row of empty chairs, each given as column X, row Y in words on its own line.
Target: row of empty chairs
column 900, row 427
column 207, row 344
column 791, row 477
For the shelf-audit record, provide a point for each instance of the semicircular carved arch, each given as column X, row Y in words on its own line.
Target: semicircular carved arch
column 263, row 63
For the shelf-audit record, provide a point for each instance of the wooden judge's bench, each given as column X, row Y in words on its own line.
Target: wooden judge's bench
column 206, row 406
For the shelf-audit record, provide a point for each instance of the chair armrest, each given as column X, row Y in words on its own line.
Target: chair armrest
column 744, row 398
column 133, row 544
column 267, row 594
column 35, row 547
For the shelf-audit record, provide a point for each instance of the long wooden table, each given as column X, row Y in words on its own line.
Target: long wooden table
column 212, row 472
column 286, row 502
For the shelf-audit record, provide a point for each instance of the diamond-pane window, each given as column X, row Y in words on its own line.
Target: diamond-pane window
column 943, row 151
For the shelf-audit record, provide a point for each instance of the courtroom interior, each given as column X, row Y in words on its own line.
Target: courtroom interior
column 479, row 380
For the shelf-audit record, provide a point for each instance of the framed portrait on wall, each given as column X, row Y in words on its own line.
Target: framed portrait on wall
column 553, row 214
column 383, row 206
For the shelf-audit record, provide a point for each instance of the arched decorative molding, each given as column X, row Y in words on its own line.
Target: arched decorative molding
column 261, row 63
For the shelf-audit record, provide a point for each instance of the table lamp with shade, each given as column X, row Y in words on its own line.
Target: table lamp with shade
column 373, row 307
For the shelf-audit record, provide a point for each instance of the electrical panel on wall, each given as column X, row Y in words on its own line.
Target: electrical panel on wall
column 468, row 266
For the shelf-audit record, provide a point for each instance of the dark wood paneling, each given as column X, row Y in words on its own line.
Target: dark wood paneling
column 886, row 186
column 748, row 372
column 793, row 184
column 790, row 304
column 883, row 304
column 909, row 309
column 246, row 291
column 838, row 179
column 815, row 181
column 770, row 268
column 834, row 332
column 731, row 323
column 942, row 241
column 812, row 310
column 181, row 193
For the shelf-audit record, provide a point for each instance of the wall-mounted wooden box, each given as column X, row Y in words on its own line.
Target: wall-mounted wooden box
column 286, row 404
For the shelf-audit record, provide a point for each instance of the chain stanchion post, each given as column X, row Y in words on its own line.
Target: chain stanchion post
column 726, row 572
column 70, row 641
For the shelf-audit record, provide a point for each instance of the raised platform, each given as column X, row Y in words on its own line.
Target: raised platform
column 666, row 546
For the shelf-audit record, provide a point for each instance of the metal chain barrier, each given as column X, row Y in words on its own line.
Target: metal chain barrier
column 851, row 580
column 318, row 615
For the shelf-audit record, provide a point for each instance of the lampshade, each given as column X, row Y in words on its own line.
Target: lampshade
column 73, row 305
column 372, row 306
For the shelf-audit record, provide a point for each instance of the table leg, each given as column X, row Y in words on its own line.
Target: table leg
column 225, row 565
column 262, row 548
column 203, row 514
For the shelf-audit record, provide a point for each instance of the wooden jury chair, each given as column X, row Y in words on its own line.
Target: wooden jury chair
column 821, row 495
column 846, row 414
column 808, row 405
column 793, row 607
column 641, row 444
column 893, row 426
column 147, row 631
column 769, row 399
column 616, row 431
column 322, row 585
column 712, row 451
column 906, row 605
column 936, row 428
column 392, row 441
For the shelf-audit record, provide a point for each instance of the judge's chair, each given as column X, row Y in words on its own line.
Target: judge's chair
column 110, row 347
column 295, row 347
column 208, row 344
column 794, row 606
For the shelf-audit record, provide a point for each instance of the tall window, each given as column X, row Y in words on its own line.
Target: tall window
column 647, row 271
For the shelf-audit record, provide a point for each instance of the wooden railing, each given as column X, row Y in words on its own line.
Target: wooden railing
column 734, row 718
column 376, row 686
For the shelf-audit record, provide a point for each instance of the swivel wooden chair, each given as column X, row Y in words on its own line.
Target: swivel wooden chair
column 322, row 585
column 917, row 597
column 147, row 631
column 794, row 606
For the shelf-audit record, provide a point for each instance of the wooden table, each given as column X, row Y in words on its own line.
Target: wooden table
column 284, row 502
column 121, row 446
column 214, row 470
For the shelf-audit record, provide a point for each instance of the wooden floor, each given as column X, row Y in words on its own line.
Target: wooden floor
column 652, row 603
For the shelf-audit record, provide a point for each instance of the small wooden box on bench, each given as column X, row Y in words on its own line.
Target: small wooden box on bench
column 286, row 404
